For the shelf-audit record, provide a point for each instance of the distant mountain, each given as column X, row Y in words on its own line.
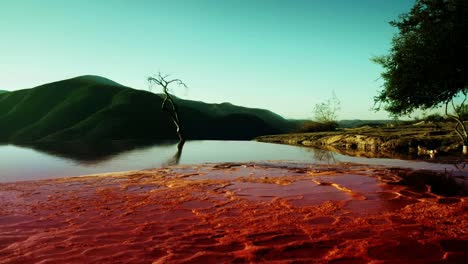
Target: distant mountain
column 358, row 123
column 95, row 108
column 228, row 109
column 3, row 91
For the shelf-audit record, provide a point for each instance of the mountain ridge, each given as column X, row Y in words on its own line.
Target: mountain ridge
column 91, row 107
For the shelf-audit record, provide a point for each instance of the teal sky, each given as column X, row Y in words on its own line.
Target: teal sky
column 283, row 55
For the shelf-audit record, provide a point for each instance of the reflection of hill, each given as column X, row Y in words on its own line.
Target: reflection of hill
column 94, row 108
column 93, row 152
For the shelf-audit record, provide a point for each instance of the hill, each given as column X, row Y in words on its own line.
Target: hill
column 227, row 109
column 96, row 108
column 3, row 91
column 353, row 123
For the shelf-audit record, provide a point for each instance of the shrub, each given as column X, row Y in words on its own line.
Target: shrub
column 311, row 126
column 434, row 118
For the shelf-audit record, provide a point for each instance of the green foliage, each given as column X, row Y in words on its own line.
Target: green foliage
column 434, row 118
column 3, row 91
column 359, row 123
column 311, row 126
column 95, row 108
column 428, row 61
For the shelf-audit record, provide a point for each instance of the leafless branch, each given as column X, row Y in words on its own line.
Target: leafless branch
column 458, row 132
column 161, row 80
column 462, row 133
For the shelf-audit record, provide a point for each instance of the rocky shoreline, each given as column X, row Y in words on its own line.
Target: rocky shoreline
column 376, row 142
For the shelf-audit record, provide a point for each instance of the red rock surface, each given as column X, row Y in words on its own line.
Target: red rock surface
column 231, row 213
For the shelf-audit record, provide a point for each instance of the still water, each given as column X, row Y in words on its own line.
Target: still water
column 25, row 163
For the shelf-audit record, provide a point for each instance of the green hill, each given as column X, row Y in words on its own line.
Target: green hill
column 96, row 108
column 3, row 91
column 226, row 109
column 358, row 122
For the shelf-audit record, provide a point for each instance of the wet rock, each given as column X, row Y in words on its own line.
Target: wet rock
column 406, row 250
column 233, row 213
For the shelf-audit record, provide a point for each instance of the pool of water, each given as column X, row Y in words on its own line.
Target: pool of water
column 25, row 163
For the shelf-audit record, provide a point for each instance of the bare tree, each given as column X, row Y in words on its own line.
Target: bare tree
column 168, row 104
column 327, row 111
column 459, row 113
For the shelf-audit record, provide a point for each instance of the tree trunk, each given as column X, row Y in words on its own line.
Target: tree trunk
column 181, row 142
column 172, row 109
column 179, row 130
column 174, row 113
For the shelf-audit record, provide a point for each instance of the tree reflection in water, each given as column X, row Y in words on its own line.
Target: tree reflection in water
column 174, row 160
column 324, row 156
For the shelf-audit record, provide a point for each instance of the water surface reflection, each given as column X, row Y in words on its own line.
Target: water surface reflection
column 71, row 159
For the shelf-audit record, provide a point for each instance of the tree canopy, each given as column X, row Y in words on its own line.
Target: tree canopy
column 428, row 62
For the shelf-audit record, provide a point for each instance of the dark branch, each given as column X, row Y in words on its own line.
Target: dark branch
column 172, row 110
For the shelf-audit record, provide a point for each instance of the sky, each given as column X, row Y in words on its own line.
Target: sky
column 281, row 55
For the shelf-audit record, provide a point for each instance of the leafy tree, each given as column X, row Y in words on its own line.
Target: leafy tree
column 169, row 105
column 428, row 63
column 327, row 112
